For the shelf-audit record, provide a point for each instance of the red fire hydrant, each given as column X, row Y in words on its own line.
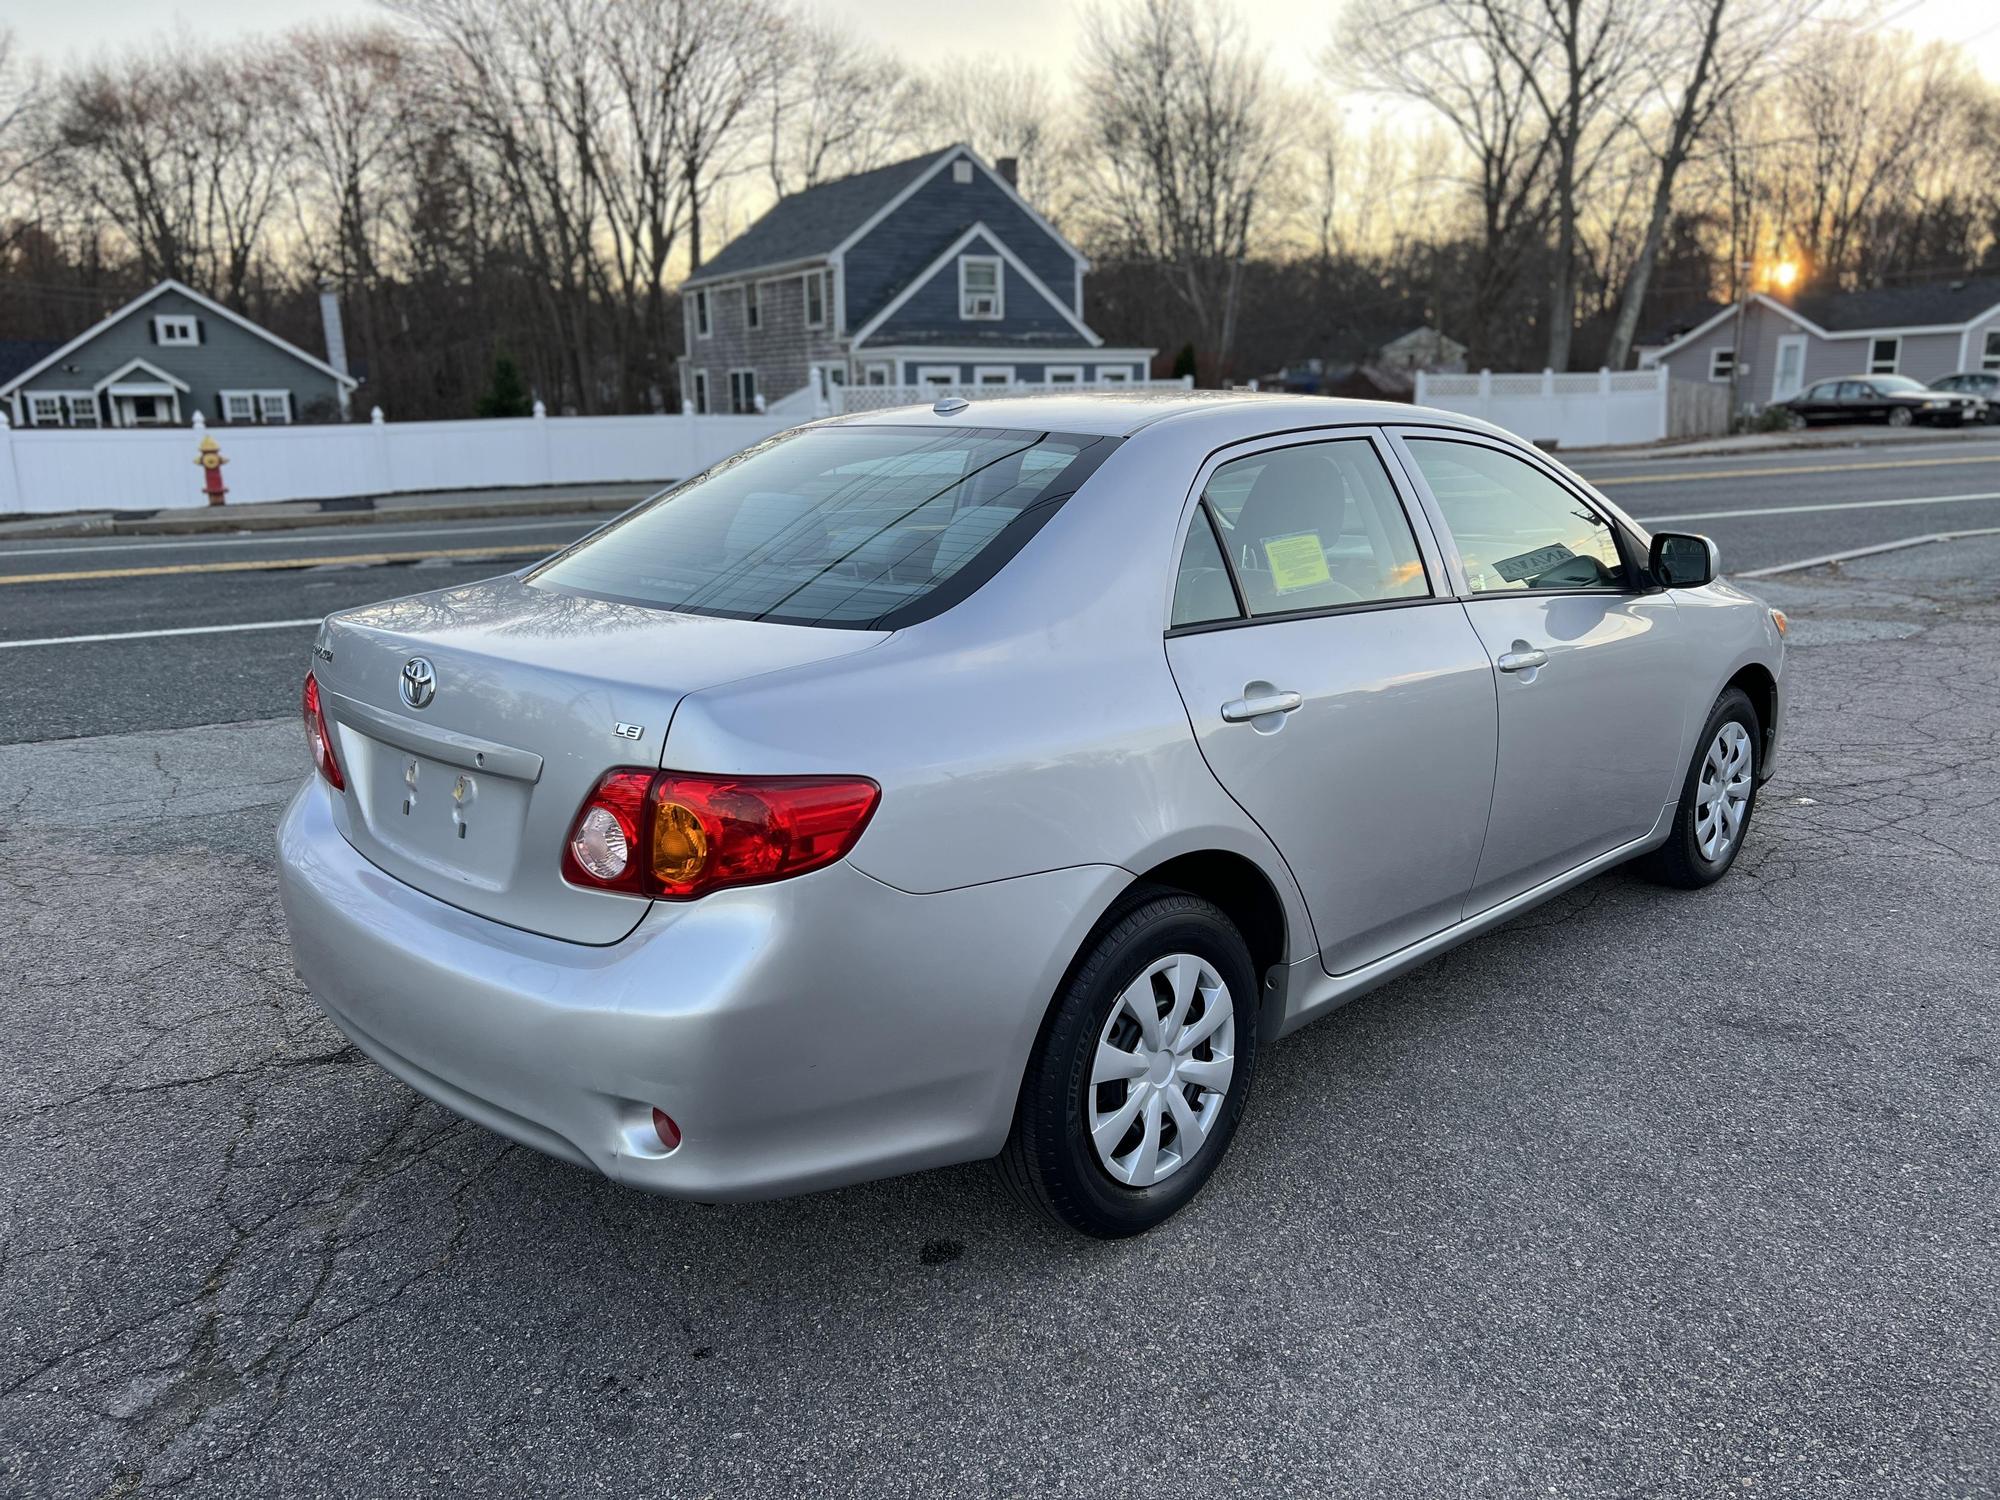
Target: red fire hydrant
column 211, row 461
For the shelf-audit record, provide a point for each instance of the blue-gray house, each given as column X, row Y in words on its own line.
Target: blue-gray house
column 931, row 271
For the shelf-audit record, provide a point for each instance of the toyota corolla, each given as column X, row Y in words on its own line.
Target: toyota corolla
column 998, row 781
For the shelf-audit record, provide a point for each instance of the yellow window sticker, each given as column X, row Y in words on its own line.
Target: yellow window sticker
column 1297, row 561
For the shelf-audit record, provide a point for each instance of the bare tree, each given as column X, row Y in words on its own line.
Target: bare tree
column 23, row 93
column 833, row 107
column 999, row 108
column 1183, row 135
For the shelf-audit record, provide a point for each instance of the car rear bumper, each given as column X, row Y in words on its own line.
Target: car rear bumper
column 820, row 1031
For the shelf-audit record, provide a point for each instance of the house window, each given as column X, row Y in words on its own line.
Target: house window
column 243, row 408
column 1064, row 375
column 1112, row 375
column 1721, row 364
column 877, row 374
column 961, row 171
column 701, row 324
column 979, row 294
column 1991, row 359
column 699, row 396
column 993, row 375
column 169, row 330
column 82, row 408
column 937, row 374
column 753, row 305
column 1882, row 356
column 815, row 299
column 45, row 411
column 743, row 391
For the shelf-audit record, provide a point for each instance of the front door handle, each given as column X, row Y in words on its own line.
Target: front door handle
column 1522, row 661
column 1241, row 710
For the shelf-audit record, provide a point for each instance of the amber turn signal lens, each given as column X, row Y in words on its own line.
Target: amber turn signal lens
column 1778, row 619
column 680, row 844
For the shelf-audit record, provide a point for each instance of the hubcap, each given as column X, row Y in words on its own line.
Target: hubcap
column 1722, row 796
column 1161, row 1070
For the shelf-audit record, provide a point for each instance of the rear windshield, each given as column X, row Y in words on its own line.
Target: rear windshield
column 854, row 526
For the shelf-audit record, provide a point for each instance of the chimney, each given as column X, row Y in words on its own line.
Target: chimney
column 336, row 336
column 1009, row 168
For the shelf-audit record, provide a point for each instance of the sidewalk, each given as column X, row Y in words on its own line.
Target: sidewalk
column 1752, row 443
column 363, row 510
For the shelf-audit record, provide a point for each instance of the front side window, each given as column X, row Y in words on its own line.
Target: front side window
column 1882, row 355
column 1516, row 528
column 1313, row 527
column 851, row 526
column 979, row 286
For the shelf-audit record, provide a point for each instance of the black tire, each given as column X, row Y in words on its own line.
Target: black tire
column 1049, row 1161
column 1679, row 861
column 1901, row 416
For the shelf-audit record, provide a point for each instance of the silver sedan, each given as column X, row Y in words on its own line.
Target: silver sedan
column 998, row 781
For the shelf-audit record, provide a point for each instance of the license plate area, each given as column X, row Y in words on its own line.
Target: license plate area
column 462, row 824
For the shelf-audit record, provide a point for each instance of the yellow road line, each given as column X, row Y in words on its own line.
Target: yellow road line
column 260, row 565
column 1906, row 463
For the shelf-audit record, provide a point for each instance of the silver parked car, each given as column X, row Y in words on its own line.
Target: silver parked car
column 947, row 783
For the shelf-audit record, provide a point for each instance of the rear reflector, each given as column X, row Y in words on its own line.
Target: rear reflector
column 665, row 1128
column 676, row 836
column 319, row 738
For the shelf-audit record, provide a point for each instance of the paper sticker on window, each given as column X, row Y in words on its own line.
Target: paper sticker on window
column 1532, row 564
column 1297, row 561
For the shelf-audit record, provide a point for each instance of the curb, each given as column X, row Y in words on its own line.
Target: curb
column 220, row 520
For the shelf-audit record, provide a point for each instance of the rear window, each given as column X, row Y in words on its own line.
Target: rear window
column 866, row 527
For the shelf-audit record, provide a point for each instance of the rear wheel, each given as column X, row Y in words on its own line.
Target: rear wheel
column 1717, row 798
column 1901, row 416
column 1139, row 1077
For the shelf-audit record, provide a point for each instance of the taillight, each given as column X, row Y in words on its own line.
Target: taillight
column 319, row 738
column 676, row 836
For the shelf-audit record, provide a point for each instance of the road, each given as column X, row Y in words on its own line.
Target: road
column 1764, row 510
column 1646, row 1193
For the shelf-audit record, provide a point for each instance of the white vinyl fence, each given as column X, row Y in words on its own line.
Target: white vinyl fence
column 879, row 397
column 49, row 471
column 1577, row 411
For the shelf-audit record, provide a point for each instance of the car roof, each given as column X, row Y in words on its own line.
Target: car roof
column 1232, row 414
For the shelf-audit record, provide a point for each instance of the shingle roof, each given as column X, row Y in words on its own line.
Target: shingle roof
column 1933, row 302
column 17, row 355
column 814, row 221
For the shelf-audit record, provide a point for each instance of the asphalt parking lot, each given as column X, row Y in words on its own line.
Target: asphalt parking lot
column 1645, row 1194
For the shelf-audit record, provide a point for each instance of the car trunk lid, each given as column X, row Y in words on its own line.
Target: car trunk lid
column 465, row 785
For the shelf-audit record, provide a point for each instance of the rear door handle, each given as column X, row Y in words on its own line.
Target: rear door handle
column 1521, row 661
column 1239, row 710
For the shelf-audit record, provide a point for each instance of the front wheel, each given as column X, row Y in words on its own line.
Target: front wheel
column 1717, row 798
column 1795, row 421
column 1139, row 1077
column 1901, row 417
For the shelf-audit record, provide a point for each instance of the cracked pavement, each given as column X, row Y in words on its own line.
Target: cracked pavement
column 1645, row 1194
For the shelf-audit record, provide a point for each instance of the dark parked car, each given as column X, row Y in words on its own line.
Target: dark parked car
column 1985, row 384
column 1895, row 399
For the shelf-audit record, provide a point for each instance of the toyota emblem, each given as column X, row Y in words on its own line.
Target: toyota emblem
column 419, row 683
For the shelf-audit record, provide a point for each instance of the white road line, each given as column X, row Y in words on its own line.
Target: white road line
column 329, row 534
column 1799, row 510
column 147, row 635
column 1854, row 553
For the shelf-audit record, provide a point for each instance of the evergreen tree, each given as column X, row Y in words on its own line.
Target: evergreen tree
column 506, row 394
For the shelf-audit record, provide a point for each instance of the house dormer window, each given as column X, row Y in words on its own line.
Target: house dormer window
column 171, row 330
column 979, row 292
column 815, row 299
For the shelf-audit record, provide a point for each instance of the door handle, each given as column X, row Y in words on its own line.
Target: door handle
column 1521, row 661
column 1240, row 710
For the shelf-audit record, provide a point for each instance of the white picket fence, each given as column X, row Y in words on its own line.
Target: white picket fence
column 1575, row 411
column 880, row 397
column 50, row 471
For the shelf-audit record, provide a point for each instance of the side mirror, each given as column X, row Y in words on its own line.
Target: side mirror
column 1681, row 560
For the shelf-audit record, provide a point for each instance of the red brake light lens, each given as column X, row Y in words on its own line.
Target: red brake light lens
column 319, row 737
column 676, row 836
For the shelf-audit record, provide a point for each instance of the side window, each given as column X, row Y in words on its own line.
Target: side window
column 1202, row 593
column 1516, row 528
column 1314, row 526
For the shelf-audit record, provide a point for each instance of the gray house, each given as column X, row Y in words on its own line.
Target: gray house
column 1926, row 332
column 933, row 271
column 169, row 354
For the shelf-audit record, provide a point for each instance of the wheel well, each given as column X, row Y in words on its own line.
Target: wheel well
column 1762, row 690
column 1244, row 893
